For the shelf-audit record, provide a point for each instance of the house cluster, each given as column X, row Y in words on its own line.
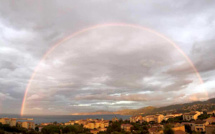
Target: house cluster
column 172, row 115
column 126, row 127
column 190, row 119
column 158, row 118
column 13, row 122
column 158, row 128
column 95, row 125
column 206, row 126
column 191, row 115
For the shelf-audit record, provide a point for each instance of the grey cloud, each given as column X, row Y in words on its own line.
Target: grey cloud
column 29, row 29
column 202, row 56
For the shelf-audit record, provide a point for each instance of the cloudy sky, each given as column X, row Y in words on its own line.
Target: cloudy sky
column 109, row 67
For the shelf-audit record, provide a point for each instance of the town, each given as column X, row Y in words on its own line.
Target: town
column 194, row 122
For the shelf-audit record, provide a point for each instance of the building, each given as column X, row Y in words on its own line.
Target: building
column 179, row 132
column 191, row 116
column 80, row 122
column 156, row 118
column 209, row 129
column 200, row 125
column 191, row 124
column 114, row 119
column 172, row 115
column 211, row 112
column 19, row 124
column 46, row 124
column 155, row 129
column 12, row 122
column 126, row 127
column 9, row 121
column 40, row 128
column 136, row 118
column 177, row 128
column 94, row 131
column 210, row 120
column 28, row 125
column 69, row 123
column 159, row 118
column 90, row 125
column 102, row 129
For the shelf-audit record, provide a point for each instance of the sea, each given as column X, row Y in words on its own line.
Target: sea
column 37, row 119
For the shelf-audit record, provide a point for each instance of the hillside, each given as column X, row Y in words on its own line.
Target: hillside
column 186, row 107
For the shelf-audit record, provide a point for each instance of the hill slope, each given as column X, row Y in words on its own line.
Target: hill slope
column 186, row 107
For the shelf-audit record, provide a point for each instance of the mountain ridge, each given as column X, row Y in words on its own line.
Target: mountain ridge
column 174, row 108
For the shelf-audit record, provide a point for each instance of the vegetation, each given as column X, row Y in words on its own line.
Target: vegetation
column 168, row 129
column 75, row 129
column 178, row 119
column 8, row 128
column 140, row 128
column 203, row 116
column 188, row 129
column 114, row 127
column 71, row 129
column 51, row 129
column 1, row 131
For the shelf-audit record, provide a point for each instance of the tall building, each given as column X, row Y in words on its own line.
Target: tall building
column 9, row 121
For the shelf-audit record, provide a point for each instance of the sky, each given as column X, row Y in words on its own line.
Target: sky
column 110, row 67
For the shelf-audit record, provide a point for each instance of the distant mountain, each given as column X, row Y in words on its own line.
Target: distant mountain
column 186, row 107
column 94, row 113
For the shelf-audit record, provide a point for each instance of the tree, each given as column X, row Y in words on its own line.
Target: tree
column 152, row 122
column 74, row 129
column 1, row 131
column 32, row 132
column 114, row 127
column 51, row 129
column 203, row 116
column 168, row 130
column 55, row 122
column 188, row 129
column 175, row 119
column 164, row 122
column 37, row 129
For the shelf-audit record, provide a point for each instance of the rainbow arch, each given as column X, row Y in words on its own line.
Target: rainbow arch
column 108, row 25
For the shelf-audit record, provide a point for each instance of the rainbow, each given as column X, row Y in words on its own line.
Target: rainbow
column 107, row 25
